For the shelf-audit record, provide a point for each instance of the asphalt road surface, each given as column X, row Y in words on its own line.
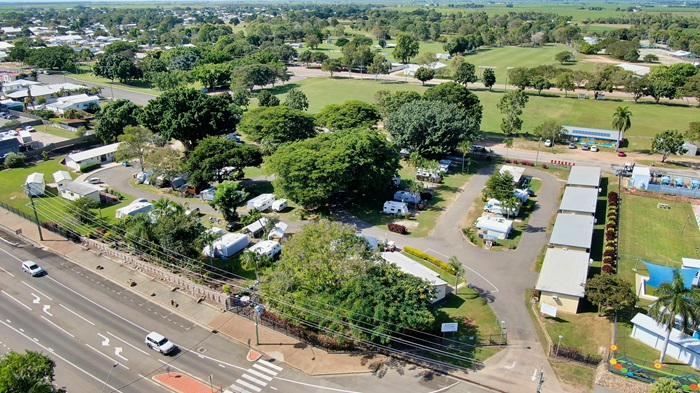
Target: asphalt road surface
column 108, row 90
column 87, row 324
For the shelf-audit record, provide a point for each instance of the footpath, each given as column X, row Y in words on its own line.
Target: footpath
column 312, row 361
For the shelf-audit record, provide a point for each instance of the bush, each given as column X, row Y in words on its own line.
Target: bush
column 507, row 161
column 43, row 113
column 544, row 166
column 429, row 258
column 252, row 216
column 515, row 162
column 608, row 261
column 396, row 228
column 226, row 288
column 89, row 167
column 609, row 253
column 607, row 269
column 45, row 155
column 15, row 160
column 610, row 235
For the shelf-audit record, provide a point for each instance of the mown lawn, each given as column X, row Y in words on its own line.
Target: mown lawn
column 56, row 131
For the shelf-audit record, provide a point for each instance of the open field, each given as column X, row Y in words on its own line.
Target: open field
column 648, row 119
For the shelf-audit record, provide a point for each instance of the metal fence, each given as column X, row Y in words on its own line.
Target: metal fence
column 574, row 355
column 18, row 212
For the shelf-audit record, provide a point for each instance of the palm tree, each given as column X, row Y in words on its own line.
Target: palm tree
column 465, row 147
column 165, row 206
column 675, row 300
column 622, row 121
column 458, row 268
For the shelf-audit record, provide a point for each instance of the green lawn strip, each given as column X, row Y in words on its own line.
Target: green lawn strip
column 56, row 132
column 659, row 236
column 11, row 181
column 449, row 278
column 231, row 265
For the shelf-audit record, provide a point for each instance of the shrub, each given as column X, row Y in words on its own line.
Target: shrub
column 507, row 161
column 15, row 160
column 607, row 269
column 429, row 258
column 89, row 167
column 609, row 253
column 396, row 228
column 226, row 288
column 515, row 162
column 610, row 244
column 45, row 155
column 610, row 235
column 608, row 261
column 544, row 166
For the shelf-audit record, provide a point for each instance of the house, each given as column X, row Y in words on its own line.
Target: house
column 409, row 266
column 563, row 278
column 34, row 185
column 61, row 178
column 641, row 176
column 494, row 227
column 269, row 248
column 75, row 123
column 572, row 231
column 48, row 91
column 80, row 101
column 101, row 154
column 584, row 176
column 9, row 145
column 74, row 190
column 516, row 172
column 135, row 207
column 8, row 77
column 577, row 200
column 20, row 84
column 6, row 46
column 412, row 68
column 592, row 136
column 680, row 346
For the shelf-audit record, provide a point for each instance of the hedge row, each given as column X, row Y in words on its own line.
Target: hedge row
column 89, row 167
column 429, row 258
column 526, row 163
column 610, row 248
column 396, row 228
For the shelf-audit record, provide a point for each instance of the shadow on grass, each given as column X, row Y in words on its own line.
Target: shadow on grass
column 283, row 89
column 257, row 187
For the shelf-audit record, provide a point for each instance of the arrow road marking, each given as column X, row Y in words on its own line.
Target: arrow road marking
column 105, row 341
column 36, row 300
column 46, row 310
column 118, row 351
column 509, row 367
column 534, row 375
column 37, row 291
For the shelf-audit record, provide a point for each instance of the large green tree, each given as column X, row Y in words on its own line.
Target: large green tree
column 227, row 198
column 499, row 186
column 675, row 300
column 136, row 142
column 389, row 102
column 296, row 99
column 424, row 74
column 114, row 117
column 550, row 129
column 465, row 74
column 454, row 93
column 610, row 292
column 218, row 159
column 667, row 143
column 621, row 121
column 354, row 162
column 29, row 372
column 277, row 125
column 350, row 114
column 489, row 78
column 51, row 57
column 511, row 106
column 117, row 66
column 189, row 116
column 407, row 46
column 431, row 128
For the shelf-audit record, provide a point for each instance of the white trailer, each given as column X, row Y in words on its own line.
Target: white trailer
column 135, row 207
column 407, row 196
column 227, row 246
column 269, row 248
column 394, row 207
column 208, row 194
column 261, row 202
column 494, row 206
column 279, row 205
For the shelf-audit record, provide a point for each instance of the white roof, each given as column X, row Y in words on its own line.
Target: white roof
column 517, row 172
column 578, row 199
column 641, row 171
column 409, row 266
column 92, row 153
column 81, row 188
column 5, row 45
column 564, row 272
column 588, row 176
column 264, row 246
column 261, row 197
column 637, row 69
column 44, row 90
column 21, row 82
column 61, row 175
column 230, row 238
column 256, row 226
column 279, row 230
column 216, row 231
column 572, row 230
column 489, row 223
column 135, row 206
column 433, row 66
column 690, row 262
column 648, row 323
column 36, row 177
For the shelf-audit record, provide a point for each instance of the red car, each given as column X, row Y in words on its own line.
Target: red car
column 621, row 154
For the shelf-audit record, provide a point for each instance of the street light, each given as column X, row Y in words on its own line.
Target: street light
column 108, row 375
column 538, row 151
column 558, row 345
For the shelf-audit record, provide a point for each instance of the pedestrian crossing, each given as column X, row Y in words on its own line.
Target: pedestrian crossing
column 255, row 378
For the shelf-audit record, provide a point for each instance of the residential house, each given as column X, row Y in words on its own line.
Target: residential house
column 35, row 185
column 562, row 279
column 102, row 154
column 79, row 101
column 409, row 266
column 572, row 231
column 61, row 178
column 73, row 190
column 50, row 92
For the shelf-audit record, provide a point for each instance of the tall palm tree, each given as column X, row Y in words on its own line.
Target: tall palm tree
column 465, row 147
column 622, row 121
column 675, row 300
column 165, row 206
column 458, row 268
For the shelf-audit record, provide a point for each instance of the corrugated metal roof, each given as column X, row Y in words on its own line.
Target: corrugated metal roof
column 572, row 230
column 587, row 176
column 564, row 272
column 577, row 199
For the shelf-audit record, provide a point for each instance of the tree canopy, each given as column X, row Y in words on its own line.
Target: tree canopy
column 389, row 102
column 454, row 93
column 511, row 106
column 667, row 143
column 296, row 99
column 348, row 115
column 465, row 74
column 136, row 142
column 189, row 116
column 218, row 159
column 27, row 372
column 430, row 128
column 114, row 117
column 227, row 199
column 354, row 162
column 277, row 125
column 610, row 292
column 407, row 46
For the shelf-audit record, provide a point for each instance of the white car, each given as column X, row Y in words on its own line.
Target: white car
column 93, row 180
column 548, row 143
column 159, row 343
column 32, row 268
column 594, row 147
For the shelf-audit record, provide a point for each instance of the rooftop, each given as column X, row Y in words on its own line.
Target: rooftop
column 44, row 90
column 581, row 200
column 586, row 176
column 36, row 177
column 564, row 272
column 517, row 172
column 61, row 175
column 572, row 230
column 96, row 152
column 81, row 188
column 583, row 132
column 409, row 266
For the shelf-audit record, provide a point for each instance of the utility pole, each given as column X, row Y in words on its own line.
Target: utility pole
column 541, row 382
column 36, row 216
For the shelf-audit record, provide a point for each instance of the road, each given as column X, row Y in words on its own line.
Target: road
column 108, row 90
column 87, row 324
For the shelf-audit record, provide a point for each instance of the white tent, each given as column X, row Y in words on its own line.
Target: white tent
column 641, row 175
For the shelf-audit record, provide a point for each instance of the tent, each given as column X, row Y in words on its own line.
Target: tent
column 665, row 180
column 695, row 184
column 641, row 176
column 659, row 274
column 678, row 182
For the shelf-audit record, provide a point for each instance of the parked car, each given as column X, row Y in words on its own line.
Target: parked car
column 233, row 226
column 548, row 143
column 29, row 128
column 93, row 180
column 32, row 268
column 572, row 145
column 585, row 146
column 594, row 148
column 621, row 154
column 159, row 343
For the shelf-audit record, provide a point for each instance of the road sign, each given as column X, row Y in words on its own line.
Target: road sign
column 548, row 309
column 449, row 327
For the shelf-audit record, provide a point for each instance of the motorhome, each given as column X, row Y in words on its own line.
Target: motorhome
column 269, row 248
column 394, row 207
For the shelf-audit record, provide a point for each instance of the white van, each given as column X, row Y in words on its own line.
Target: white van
column 394, row 207
column 279, row 205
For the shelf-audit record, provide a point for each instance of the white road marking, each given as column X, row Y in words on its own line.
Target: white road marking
column 99, row 380
column 105, row 309
column 12, row 257
column 118, row 352
column 76, row 314
column 472, row 270
column 105, row 340
column 273, row 388
column 248, row 385
column 259, row 375
column 221, row 365
column 259, row 367
column 57, row 327
column 510, row 367
column 107, row 356
column 36, row 290
column 46, row 310
column 10, row 296
column 3, row 269
column 259, row 382
column 132, row 346
column 183, row 371
column 534, row 375
column 219, row 361
column 316, row 386
column 36, row 300
column 445, row 388
column 276, row 367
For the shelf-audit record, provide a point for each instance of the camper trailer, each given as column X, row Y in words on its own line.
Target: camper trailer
column 135, row 207
column 279, row 205
column 494, row 206
column 394, row 207
column 227, row 246
column 269, row 248
column 261, row 202
column 208, row 194
column 406, row 196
